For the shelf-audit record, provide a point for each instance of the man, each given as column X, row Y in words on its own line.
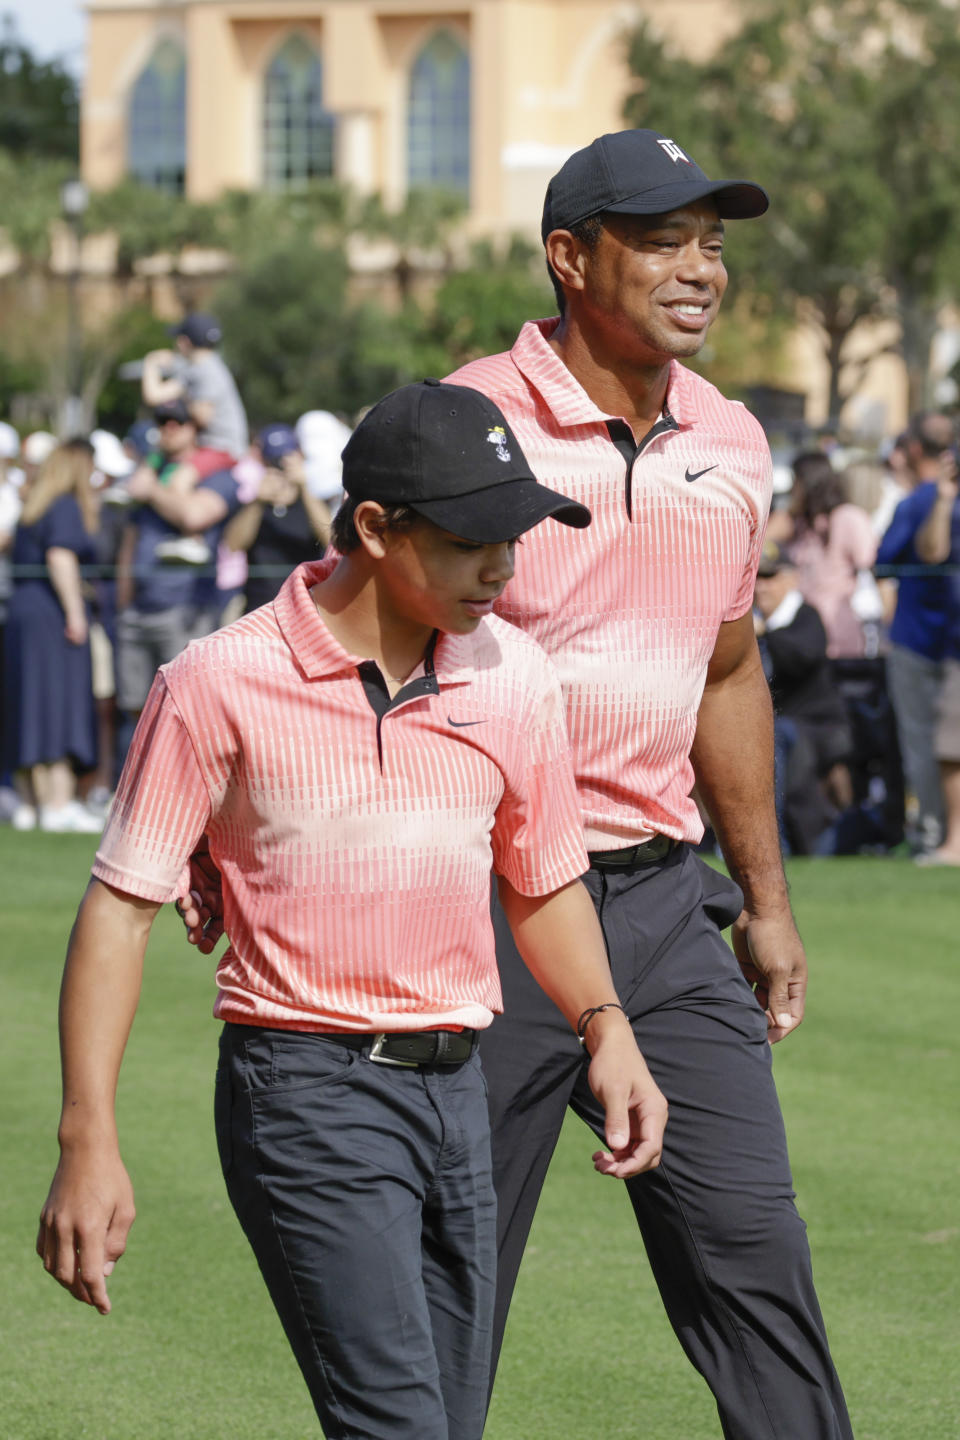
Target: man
column 647, row 616
column 165, row 597
column 918, row 634
column 374, row 740
column 198, row 375
column 938, row 543
column 811, row 731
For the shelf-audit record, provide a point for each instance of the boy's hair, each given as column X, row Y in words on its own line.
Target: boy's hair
column 588, row 232
column 343, row 531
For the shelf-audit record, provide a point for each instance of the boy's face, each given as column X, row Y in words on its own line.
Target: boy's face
column 441, row 581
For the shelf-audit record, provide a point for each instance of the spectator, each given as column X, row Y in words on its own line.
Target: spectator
column 285, row 525
column 322, row 438
column 10, row 481
column 813, row 734
column 164, row 601
column 938, row 543
column 50, row 722
column 833, row 546
column 198, row 376
column 918, row 633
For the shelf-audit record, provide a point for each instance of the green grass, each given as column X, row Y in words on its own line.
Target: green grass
column 192, row 1350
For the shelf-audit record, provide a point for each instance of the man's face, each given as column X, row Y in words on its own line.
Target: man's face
column 770, row 590
column 177, row 437
column 438, row 580
column 653, row 283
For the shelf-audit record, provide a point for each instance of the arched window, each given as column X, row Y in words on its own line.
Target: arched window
column 438, row 115
column 157, row 120
column 297, row 132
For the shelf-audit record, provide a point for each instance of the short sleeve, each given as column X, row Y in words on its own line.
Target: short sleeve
column 225, row 485
column 762, row 489
column 537, row 836
column 62, row 527
column 161, row 808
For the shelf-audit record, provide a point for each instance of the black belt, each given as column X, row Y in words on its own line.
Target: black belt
column 412, row 1048
column 643, row 854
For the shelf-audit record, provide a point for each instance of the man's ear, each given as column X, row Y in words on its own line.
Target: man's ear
column 567, row 257
column 368, row 519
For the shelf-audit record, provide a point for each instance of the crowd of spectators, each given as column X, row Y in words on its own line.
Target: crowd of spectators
column 115, row 554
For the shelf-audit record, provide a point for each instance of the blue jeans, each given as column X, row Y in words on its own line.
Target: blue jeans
column 366, row 1194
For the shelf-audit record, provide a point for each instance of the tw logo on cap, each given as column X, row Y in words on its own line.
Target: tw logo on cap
column 671, row 148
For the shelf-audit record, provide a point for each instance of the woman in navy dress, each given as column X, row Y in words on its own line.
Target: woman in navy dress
column 50, row 730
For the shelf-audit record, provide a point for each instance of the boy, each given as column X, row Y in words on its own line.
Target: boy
column 366, row 746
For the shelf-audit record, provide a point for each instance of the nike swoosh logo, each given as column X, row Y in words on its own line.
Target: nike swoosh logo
column 695, row 475
column 461, row 724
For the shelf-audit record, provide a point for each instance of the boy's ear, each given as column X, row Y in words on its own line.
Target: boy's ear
column 368, row 519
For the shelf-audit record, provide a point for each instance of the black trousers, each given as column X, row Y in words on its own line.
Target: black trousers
column 718, row 1220
column 366, row 1195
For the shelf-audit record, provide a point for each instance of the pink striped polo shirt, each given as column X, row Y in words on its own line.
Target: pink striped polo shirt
column 355, row 835
column 629, row 609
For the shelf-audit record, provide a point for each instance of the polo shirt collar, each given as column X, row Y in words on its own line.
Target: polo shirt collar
column 566, row 398
column 456, row 658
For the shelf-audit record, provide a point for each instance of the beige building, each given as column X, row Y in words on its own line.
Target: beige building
column 488, row 97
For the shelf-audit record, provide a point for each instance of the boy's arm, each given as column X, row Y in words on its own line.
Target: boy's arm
column 89, row 1210
column 560, row 940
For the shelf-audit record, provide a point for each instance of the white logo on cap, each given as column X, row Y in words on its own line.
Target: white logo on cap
column 498, row 436
column 671, row 148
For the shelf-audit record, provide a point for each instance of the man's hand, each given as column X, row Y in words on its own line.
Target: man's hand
column 635, row 1109
column 200, row 903
column 85, row 1222
column 772, row 958
column 142, row 484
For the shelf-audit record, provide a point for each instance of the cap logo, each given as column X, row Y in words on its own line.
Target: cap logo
column 671, row 148
column 497, row 436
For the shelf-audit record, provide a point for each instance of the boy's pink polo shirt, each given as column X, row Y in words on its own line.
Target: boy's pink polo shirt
column 355, row 849
column 629, row 609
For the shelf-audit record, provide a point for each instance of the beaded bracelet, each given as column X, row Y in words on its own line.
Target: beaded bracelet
column 588, row 1015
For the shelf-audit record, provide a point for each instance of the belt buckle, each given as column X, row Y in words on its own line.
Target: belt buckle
column 378, row 1057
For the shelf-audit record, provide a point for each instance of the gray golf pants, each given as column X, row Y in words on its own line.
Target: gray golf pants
column 365, row 1192
column 722, row 1234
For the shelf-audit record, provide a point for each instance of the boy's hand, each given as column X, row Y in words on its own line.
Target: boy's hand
column 85, row 1222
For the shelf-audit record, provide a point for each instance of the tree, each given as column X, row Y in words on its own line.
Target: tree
column 39, row 105
column 847, row 113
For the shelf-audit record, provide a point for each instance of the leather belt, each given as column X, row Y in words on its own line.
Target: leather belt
column 643, row 854
column 411, row 1048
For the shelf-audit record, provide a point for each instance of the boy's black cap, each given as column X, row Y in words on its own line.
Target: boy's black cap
column 448, row 453
column 639, row 172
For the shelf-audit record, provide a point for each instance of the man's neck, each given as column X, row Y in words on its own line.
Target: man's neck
column 636, row 392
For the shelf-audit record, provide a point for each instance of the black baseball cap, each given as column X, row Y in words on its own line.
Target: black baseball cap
column 202, row 330
column 448, row 453
column 639, row 172
column 173, row 410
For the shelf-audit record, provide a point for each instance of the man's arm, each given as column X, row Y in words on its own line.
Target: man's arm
column 88, row 1213
column 156, row 386
column 560, row 940
column 933, row 537
column 191, row 511
column 732, row 758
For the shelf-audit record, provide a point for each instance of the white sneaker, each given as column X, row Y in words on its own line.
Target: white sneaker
column 74, row 819
column 24, row 818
